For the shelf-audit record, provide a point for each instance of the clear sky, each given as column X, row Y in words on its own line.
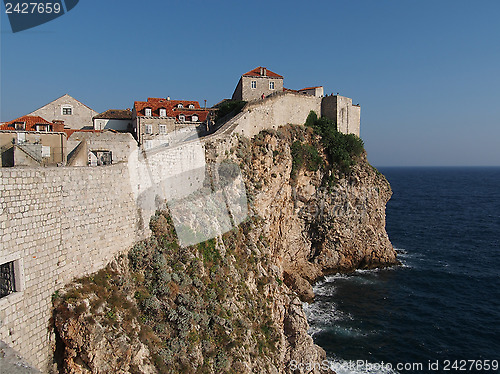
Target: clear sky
column 426, row 73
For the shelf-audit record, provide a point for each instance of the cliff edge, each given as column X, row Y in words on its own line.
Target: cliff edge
column 233, row 303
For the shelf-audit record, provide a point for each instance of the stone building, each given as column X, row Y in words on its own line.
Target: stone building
column 155, row 120
column 256, row 83
column 114, row 119
column 75, row 114
column 312, row 91
column 98, row 148
column 32, row 141
column 343, row 112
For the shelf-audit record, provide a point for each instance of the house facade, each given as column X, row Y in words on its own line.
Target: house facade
column 313, row 91
column 257, row 83
column 75, row 114
column 155, row 120
column 32, row 141
column 114, row 119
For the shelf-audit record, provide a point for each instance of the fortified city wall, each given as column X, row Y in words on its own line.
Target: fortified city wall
column 57, row 224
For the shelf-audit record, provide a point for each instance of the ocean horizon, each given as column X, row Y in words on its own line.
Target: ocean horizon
column 439, row 310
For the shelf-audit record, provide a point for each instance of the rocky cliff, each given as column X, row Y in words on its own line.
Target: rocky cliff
column 233, row 303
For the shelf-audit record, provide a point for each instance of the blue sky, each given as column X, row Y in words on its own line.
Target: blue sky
column 426, row 73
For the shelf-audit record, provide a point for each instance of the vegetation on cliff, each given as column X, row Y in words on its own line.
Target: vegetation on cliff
column 231, row 304
column 206, row 308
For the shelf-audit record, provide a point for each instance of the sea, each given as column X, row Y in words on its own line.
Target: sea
column 439, row 311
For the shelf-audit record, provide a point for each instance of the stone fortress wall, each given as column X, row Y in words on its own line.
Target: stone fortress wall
column 57, row 224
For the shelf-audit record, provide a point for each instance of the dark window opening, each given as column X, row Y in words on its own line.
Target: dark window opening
column 67, row 111
column 7, row 279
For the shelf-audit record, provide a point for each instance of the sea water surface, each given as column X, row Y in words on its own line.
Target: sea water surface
column 442, row 306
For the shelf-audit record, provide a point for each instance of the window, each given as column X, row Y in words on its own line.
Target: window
column 163, row 112
column 194, row 118
column 191, row 106
column 147, row 112
column 67, row 111
column 254, row 84
column 149, row 129
column 271, row 85
column 42, row 128
column 182, row 117
column 180, row 106
column 148, row 144
column 20, row 126
column 7, row 279
column 163, row 129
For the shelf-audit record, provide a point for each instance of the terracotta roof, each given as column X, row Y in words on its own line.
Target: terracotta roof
column 171, row 107
column 30, row 123
column 257, row 73
column 309, row 88
column 115, row 114
column 289, row 90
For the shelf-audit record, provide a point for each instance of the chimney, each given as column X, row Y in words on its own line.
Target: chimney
column 57, row 125
column 168, row 98
column 265, row 72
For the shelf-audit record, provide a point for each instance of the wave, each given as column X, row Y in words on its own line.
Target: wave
column 359, row 367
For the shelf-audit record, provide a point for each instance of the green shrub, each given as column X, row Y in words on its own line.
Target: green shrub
column 229, row 106
column 306, row 155
column 341, row 149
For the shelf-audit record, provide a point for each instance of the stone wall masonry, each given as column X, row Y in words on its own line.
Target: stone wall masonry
column 57, row 224
column 280, row 109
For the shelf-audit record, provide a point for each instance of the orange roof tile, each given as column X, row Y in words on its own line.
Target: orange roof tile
column 29, row 121
column 309, row 88
column 171, row 108
column 256, row 73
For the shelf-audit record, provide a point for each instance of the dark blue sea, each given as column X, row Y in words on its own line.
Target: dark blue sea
column 439, row 312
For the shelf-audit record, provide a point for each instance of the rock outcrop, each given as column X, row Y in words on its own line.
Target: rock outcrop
column 234, row 303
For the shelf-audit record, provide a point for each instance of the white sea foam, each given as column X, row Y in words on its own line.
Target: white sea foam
column 360, row 367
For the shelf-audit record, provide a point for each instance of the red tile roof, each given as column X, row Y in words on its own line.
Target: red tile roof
column 30, row 123
column 256, row 73
column 115, row 114
column 309, row 88
column 171, row 107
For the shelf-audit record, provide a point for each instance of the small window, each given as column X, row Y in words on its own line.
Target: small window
column 191, row 106
column 148, row 144
column 7, row 279
column 149, row 129
column 182, row 118
column 67, row 111
column 254, row 84
column 194, row 118
column 163, row 112
column 42, row 128
column 163, row 129
column 180, row 106
column 147, row 112
column 20, row 126
column 271, row 85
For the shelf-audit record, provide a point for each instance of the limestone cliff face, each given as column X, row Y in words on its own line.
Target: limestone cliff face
column 314, row 229
column 231, row 304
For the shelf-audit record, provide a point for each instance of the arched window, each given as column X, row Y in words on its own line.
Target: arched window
column 180, row 106
column 191, row 106
column 182, row 118
column 194, row 118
